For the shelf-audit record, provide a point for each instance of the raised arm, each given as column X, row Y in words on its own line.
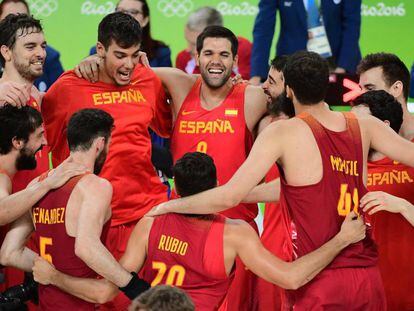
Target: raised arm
column 266, row 150
column 13, row 252
column 292, row 275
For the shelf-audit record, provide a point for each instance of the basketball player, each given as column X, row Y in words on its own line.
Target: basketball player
column 197, row 253
column 322, row 158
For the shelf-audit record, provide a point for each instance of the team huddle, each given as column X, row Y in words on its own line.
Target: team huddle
column 100, row 228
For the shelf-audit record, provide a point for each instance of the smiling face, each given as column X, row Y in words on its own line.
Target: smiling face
column 119, row 63
column 27, row 156
column 274, row 84
column 28, row 54
column 216, row 61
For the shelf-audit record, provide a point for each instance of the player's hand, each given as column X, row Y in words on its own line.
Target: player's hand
column 65, row 171
column 159, row 209
column 43, row 271
column 15, row 94
column 88, row 68
column 37, row 95
column 353, row 228
column 376, row 201
column 238, row 79
column 143, row 59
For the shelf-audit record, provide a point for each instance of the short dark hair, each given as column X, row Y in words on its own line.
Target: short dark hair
column 307, row 74
column 163, row 298
column 393, row 69
column 382, row 106
column 217, row 32
column 86, row 125
column 17, row 123
column 279, row 62
column 193, row 173
column 4, row 2
column 121, row 28
column 10, row 27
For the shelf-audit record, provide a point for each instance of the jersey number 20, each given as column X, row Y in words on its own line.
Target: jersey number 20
column 175, row 275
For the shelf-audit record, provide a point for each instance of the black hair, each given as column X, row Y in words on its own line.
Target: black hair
column 392, row 67
column 215, row 31
column 193, row 173
column 16, row 25
column 121, row 28
column 86, row 125
column 382, row 106
column 17, row 123
column 307, row 74
column 279, row 62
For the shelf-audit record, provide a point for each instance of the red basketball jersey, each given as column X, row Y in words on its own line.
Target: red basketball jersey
column 221, row 133
column 318, row 210
column 58, row 247
column 393, row 233
column 135, row 108
column 23, row 178
column 187, row 252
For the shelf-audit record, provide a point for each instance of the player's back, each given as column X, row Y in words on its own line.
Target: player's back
column 56, row 246
column 322, row 181
column 187, row 252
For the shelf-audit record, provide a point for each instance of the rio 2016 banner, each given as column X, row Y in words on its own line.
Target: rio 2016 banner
column 71, row 26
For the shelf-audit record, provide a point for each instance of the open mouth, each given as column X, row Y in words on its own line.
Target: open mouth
column 37, row 63
column 215, row 71
column 124, row 75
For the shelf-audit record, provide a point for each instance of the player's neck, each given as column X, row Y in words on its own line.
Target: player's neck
column 11, row 74
column 314, row 109
column 8, row 163
column 407, row 127
column 211, row 98
column 85, row 158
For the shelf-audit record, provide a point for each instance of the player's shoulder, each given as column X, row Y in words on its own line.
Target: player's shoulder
column 91, row 183
column 68, row 79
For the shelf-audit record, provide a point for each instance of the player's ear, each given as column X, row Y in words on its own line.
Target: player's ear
column 100, row 49
column 99, row 144
column 387, row 123
column 17, row 143
column 5, row 52
column 397, row 89
column 289, row 92
column 197, row 59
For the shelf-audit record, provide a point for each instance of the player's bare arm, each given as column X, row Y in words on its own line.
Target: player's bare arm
column 266, row 150
column 255, row 105
column 264, row 193
column 13, row 252
column 376, row 201
column 291, row 275
column 13, row 206
column 92, row 290
column 94, row 211
column 376, row 135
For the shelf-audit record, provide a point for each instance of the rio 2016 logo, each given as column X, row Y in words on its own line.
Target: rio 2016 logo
column 43, row 8
column 179, row 8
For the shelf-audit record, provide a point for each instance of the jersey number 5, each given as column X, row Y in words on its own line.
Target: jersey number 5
column 175, row 274
column 43, row 241
column 347, row 201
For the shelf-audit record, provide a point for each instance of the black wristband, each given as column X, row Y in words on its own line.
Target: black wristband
column 135, row 287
